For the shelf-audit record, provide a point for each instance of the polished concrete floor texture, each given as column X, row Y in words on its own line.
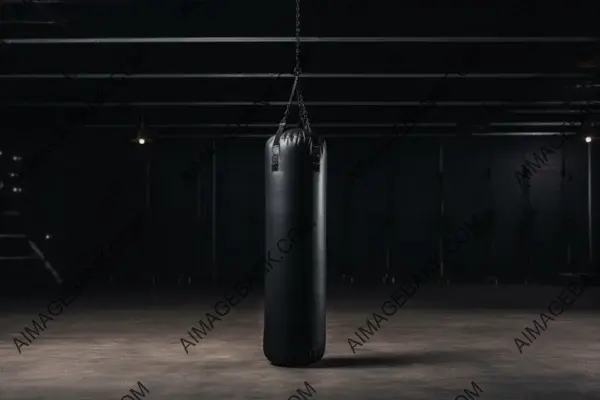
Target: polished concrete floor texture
column 447, row 342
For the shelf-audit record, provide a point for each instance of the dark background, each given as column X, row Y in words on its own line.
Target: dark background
column 93, row 178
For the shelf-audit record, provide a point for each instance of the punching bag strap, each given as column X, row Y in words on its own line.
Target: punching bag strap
column 295, row 87
column 315, row 142
column 281, row 128
column 296, row 91
column 283, row 122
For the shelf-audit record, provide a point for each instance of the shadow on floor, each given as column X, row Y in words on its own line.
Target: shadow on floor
column 400, row 360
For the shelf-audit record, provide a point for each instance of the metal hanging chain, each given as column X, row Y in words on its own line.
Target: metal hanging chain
column 296, row 86
column 297, row 67
column 303, row 111
column 298, row 70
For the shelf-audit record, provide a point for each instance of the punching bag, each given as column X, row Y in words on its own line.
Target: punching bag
column 295, row 183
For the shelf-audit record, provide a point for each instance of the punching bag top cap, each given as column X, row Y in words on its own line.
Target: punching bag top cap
column 294, row 138
column 293, row 135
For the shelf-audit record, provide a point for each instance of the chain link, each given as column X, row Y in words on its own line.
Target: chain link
column 297, row 67
column 301, row 105
column 303, row 111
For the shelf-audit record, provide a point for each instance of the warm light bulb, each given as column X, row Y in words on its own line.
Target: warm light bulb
column 141, row 140
column 588, row 139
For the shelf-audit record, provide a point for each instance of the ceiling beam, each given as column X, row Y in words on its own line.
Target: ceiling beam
column 306, row 75
column 440, row 39
column 352, row 135
column 557, row 124
column 308, row 103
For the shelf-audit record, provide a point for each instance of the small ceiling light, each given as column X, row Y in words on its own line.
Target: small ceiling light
column 588, row 139
column 143, row 135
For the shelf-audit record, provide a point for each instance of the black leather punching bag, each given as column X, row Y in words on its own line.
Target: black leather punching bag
column 294, row 319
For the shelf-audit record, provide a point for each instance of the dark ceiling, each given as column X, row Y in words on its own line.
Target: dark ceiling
column 195, row 68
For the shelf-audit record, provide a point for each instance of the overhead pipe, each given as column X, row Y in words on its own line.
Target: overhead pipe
column 305, row 75
column 308, row 103
column 25, row 22
column 357, row 135
column 442, row 212
column 22, row 2
column 332, row 125
column 563, row 133
column 590, row 216
column 564, row 111
column 310, row 39
column 214, row 259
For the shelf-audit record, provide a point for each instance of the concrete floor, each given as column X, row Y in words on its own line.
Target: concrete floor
column 433, row 348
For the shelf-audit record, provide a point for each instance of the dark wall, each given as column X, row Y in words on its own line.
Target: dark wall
column 530, row 230
column 89, row 189
column 85, row 191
